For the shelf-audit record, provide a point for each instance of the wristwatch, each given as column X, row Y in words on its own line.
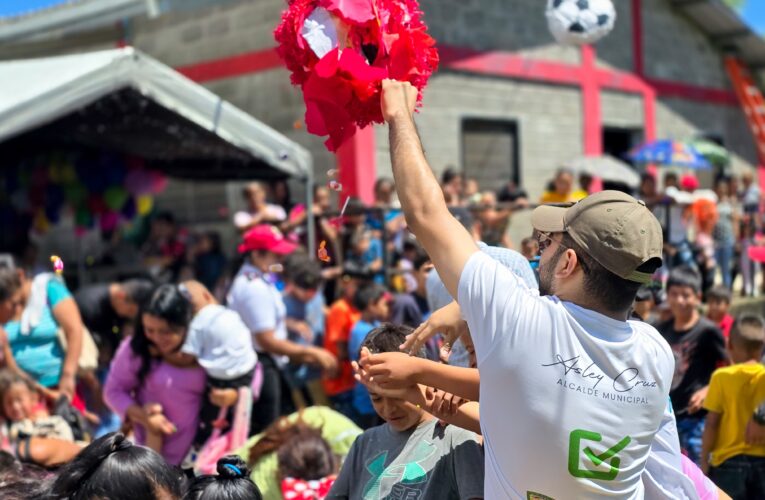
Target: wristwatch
column 759, row 415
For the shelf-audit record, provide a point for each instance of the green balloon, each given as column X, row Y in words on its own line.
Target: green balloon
column 83, row 217
column 76, row 194
column 116, row 197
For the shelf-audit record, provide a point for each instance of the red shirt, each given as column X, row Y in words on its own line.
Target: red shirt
column 725, row 324
column 341, row 318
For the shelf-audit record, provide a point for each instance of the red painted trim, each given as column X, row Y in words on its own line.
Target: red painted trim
column 356, row 160
column 229, row 67
column 592, row 116
column 495, row 63
column 621, row 81
column 649, row 115
column 638, row 60
column 510, row 65
column 693, row 92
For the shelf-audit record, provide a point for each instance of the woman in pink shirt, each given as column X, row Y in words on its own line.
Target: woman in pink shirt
column 146, row 388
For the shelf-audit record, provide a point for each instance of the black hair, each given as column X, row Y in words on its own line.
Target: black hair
column 420, row 260
column 111, row 467
column 167, row 217
column 368, row 294
column 231, row 483
column 302, row 271
column 529, row 240
column 644, row 293
column 216, row 246
column 21, row 481
column 388, row 338
column 10, row 282
column 355, row 207
column 748, row 332
column 684, row 276
column 353, row 270
column 306, row 455
column 719, row 293
column 612, row 292
column 647, row 177
column 138, row 290
column 167, row 302
column 449, row 174
column 382, row 181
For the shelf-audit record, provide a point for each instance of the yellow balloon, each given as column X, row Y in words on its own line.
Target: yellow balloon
column 41, row 222
column 144, row 204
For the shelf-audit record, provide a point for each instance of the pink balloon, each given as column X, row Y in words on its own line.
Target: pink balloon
column 109, row 221
column 158, row 182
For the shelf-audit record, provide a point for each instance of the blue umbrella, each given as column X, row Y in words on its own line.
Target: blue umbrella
column 670, row 153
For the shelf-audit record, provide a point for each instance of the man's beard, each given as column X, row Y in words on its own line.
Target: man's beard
column 546, row 273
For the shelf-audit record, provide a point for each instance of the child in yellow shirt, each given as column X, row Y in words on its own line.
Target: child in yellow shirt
column 734, row 393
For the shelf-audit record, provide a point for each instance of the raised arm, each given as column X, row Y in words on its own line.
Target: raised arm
column 441, row 235
column 397, row 370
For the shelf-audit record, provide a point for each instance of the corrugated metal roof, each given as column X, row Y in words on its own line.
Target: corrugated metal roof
column 726, row 29
column 71, row 17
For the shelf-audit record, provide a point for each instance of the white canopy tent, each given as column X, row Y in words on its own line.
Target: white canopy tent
column 35, row 92
column 124, row 100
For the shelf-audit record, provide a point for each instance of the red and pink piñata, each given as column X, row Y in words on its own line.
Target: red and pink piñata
column 339, row 51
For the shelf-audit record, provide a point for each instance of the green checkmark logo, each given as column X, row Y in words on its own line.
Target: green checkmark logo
column 574, row 449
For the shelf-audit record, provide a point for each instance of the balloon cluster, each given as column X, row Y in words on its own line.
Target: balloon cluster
column 339, row 52
column 98, row 189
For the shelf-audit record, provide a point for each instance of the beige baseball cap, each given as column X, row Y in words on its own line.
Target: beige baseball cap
column 614, row 228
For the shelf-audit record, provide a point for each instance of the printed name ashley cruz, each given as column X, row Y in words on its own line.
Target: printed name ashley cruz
column 627, row 380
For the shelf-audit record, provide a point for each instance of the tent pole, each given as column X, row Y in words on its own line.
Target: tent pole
column 309, row 207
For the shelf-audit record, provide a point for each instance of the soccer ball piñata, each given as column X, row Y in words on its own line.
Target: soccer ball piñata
column 578, row 22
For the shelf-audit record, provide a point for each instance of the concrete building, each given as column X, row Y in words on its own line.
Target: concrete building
column 507, row 102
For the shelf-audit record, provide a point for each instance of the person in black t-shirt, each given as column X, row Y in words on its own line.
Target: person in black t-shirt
column 699, row 348
column 105, row 307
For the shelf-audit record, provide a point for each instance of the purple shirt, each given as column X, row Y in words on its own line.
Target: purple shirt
column 178, row 390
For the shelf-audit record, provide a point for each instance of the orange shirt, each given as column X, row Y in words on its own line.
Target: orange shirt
column 341, row 318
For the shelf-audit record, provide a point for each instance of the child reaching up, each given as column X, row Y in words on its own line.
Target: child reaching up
column 409, row 456
column 372, row 300
column 25, row 413
column 734, row 393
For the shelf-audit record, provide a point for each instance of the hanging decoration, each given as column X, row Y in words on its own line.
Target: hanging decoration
column 580, row 22
column 339, row 51
column 99, row 190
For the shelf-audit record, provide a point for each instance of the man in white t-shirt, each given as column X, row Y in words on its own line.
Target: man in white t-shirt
column 259, row 211
column 572, row 393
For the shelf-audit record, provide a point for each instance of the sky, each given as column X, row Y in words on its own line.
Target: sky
column 11, row 7
column 753, row 12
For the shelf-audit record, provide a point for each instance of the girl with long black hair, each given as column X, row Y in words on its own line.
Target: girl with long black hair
column 146, row 388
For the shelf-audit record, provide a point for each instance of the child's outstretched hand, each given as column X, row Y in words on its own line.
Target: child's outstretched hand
column 363, row 377
column 442, row 405
column 446, row 321
column 391, row 370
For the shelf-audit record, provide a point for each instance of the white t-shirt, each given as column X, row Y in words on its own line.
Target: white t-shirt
column 570, row 399
column 244, row 218
column 221, row 342
column 259, row 304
